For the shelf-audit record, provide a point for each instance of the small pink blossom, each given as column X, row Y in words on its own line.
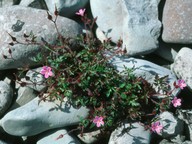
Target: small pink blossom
column 181, row 83
column 176, row 102
column 156, row 127
column 98, row 121
column 46, row 71
column 80, row 12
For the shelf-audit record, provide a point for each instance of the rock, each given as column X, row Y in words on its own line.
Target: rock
column 135, row 22
column 40, row 4
column 185, row 115
column 136, row 135
column 90, row 137
column 145, row 69
column 34, row 117
column 16, row 21
column 36, row 80
column 177, row 25
column 52, row 137
column 5, row 3
column 187, row 142
column 100, row 35
column 182, row 66
column 172, row 126
column 25, row 95
column 66, row 8
column 6, row 96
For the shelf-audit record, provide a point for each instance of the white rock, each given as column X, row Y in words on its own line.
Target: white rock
column 135, row 22
column 172, row 126
column 52, row 137
column 66, row 8
column 36, row 80
column 182, row 66
column 16, row 21
column 145, row 69
column 25, row 95
column 136, row 135
column 34, row 117
column 6, row 95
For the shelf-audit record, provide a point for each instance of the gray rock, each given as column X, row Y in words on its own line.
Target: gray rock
column 90, row 137
column 177, row 25
column 66, row 8
column 185, row 115
column 172, row 126
column 5, row 3
column 187, row 142
column 145, row 69
column 52, row 137
column 40, row 4
column 16, row 21
column 135, row 22
column 182, row 66
column 137, row 135
column 34, row 117
column 6, row 95
column 36, row 80
column 25, row 95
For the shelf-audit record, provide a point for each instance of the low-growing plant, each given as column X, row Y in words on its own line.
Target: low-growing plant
column 78, row 70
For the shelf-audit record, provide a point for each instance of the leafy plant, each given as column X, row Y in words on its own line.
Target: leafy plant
column 83, row 75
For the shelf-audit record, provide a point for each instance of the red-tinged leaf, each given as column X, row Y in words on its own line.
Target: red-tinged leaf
column 11, row 43
column 60, row 136
column 4, row 56
column 56, row 11
column 25, row 36
column 9, row 51
column 49, row 16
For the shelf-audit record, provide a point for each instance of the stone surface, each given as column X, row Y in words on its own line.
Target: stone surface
column 6, row 95
column 134, row 21
column 145, row 69
column 137, row 135
column 51, row 136
column 182, row 66
column 177, row 24
column 16, row 21
column 25, row 95
column 36, row 80
column 172, row 126
column 66, row 8
column 89, row 137
column 34, row 117
column 40, row 4
column 5, row 3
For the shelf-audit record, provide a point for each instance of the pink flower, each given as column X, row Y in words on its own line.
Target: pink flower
column 176, row 102
column 46, row 71
column 156, row 127
column 181, row 83
column 80, row 12
column 98, row 121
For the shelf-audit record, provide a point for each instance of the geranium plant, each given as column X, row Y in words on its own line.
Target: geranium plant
column 84, row 77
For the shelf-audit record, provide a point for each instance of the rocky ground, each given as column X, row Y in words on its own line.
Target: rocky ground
column 156, row 34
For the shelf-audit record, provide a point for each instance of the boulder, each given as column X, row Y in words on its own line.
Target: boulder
column 177, row 27
column 182, row 66
column 135, row 22
column 16, row 21
column 6, row 96
column 145, row 69
column 136, row 135
column 38, row 116
column 172, row 126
